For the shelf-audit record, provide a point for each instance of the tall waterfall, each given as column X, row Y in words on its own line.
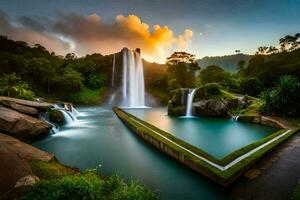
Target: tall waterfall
column 113, row 72
column 133, row 85
column 189, row 103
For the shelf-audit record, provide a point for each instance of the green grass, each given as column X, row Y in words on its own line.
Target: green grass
column 222, row 177
column 87, row 185
column 87, row 96
column 296, row 194
column 252, row 109
column 51, row 170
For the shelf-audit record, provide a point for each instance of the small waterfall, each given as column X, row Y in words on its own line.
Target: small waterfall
column 189, row 103
column 56, row 106
column 67, row 116
column 44, row 116
column 113, row 72
column 74, row 111
column 235, row 118
column 133, row 79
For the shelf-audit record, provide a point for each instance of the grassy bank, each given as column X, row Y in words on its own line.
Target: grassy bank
column 61, row 182
column 87, row 96
column 223, row 177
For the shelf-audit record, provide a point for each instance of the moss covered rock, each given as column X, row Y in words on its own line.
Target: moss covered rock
column 56, row 116
column 209, row 100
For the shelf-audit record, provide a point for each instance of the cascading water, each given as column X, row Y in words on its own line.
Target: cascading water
column 113, row 72
column 189, row 103
column 133, row 79
column 74, row 111
column 67, row 117
column 235, row 118
column 44, row 116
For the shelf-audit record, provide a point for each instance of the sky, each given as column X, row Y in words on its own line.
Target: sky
column 158, row 27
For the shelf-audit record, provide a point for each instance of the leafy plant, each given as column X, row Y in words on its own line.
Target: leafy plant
column 134, row 190
column 283, row 98
column 12, row 85
column 88, row 186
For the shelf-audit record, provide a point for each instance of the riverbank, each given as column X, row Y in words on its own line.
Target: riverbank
column 23, row 165
column 29, row 173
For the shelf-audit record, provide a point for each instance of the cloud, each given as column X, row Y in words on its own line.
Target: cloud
column 90, row 34
column 31, row 36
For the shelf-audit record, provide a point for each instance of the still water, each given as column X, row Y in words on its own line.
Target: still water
column 216, row 136
column 99, row 137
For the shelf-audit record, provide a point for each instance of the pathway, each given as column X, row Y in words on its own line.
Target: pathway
column 274, row 177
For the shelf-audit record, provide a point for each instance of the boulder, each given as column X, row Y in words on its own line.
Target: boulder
column 210, row 108
column 27, row 181
column 20, row 108
column 22, row 126
column 15, row 162
column 40, row 106
column 56, row 116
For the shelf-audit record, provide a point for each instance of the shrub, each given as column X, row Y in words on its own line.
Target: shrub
column 173, row 84
column 86, row 186
column 250, row 86
column 133, row 190
column 283, row 99
column 96, row 80
column 211, row 89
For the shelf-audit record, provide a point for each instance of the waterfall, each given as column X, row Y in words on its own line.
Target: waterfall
column 133, row 79
column 189, row 103
column 235, row 118
column 67, row 117
column 113, row 72
column 44, row 116
column 74, row 111
column 56, row 106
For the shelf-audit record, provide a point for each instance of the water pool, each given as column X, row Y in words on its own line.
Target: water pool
column 218, row 137
column 99, row 137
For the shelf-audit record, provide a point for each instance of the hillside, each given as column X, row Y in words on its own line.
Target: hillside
column 228, row 62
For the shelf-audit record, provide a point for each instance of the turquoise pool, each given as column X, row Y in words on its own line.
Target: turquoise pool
column 217, row 137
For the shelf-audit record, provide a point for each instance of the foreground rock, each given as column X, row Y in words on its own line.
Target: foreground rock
column 15, row 167
column 40, row 106
column 22, row 126
column 20, row 108
column 209, row 101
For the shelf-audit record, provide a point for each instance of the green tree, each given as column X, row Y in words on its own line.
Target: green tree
column 250, row 86
column 213, row 74
column 8, row 84
column 12, row 85
column 96, row 80
column 290, row 42
column 182, row 67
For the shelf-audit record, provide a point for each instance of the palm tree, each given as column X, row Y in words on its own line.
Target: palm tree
column 286, row 94
column 8, row 83
column 23, row 89
column 12, row 85
column 283, row 98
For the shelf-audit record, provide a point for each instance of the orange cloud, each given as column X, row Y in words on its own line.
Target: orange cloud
column 89, row 34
